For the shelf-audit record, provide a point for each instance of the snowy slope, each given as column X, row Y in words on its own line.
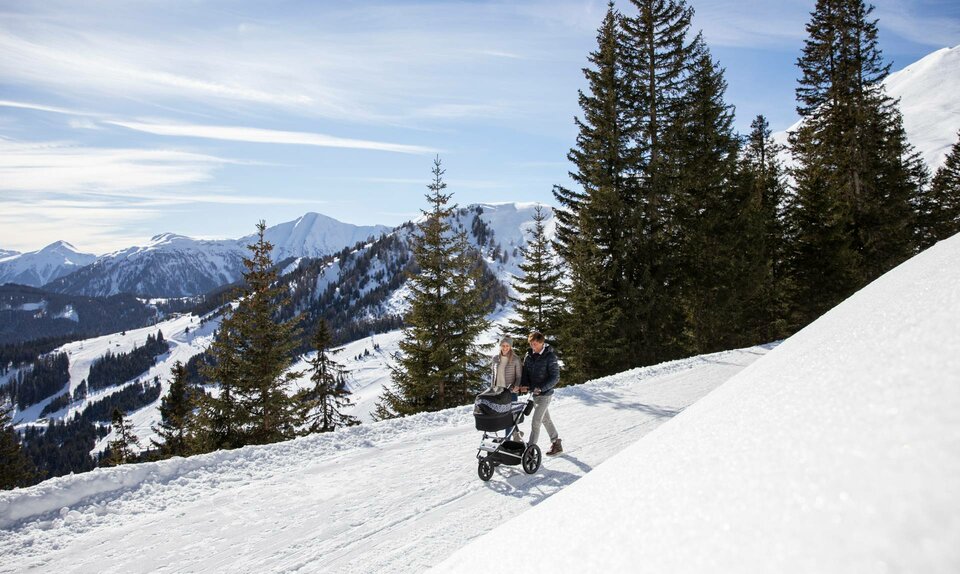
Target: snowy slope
column 396, row 496
column 839, row 451
column 927, row 90
column 37, row 268
column 185, row 336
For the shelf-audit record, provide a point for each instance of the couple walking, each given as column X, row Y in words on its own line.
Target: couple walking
column 538, row 374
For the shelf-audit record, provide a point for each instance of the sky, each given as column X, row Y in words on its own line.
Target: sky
column 123, row 120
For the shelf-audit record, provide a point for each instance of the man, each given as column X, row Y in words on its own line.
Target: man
column 541, row 372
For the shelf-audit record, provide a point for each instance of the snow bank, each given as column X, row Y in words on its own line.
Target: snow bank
column 102, row 485
column 839, row 451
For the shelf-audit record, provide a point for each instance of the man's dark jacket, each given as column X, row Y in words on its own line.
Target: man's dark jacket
column 540, row 371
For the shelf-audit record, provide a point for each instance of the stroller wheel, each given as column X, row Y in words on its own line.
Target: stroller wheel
column 531, row 459
column 485, row 470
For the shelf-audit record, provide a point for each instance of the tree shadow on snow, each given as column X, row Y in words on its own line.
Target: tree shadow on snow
column 617, row 402
column 536, row 487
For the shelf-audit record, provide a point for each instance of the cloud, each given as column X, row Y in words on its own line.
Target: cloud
column 904, row 18
column 102, row 196
column 258, row 135
column 67, row 168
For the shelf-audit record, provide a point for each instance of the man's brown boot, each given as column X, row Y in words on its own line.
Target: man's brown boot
column 555, row 448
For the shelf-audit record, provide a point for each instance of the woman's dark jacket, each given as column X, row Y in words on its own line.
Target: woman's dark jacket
column 540, row 371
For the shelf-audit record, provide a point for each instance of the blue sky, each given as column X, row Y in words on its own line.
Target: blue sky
column 122, row 120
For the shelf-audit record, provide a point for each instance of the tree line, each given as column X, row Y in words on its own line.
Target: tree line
column 683, row 237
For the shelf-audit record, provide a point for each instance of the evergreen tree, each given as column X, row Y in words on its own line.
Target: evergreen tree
column 252, row 353
column 940, row 209
column 854, row 164
column 708, row 218
column 15, row 468
column 660, row 58
column 176, row 414
column 439, row 364
column 325, row 401
column 595, row 222
column 538, row 307
column 122, row 447
column 764, row 275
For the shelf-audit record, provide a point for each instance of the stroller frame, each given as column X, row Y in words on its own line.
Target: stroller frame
column 495, row 450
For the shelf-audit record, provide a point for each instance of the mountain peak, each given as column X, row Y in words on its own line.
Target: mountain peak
column 59, row 247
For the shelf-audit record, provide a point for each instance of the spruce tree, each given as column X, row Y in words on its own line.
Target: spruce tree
column 660, row 57
column 764, row 276
column 939, row 212
column 252, row 354
column 599, row 212
column 538, row 306
column 176, row 416
column 707, row 219
column 16, row 470
column 439, row 364
column 854, row 163
column 326, row 400
column 122, row 447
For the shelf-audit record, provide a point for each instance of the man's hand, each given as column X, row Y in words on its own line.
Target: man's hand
column 523, row 389
column 536, row 392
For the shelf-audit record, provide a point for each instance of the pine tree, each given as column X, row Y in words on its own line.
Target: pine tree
column 939, row 212
column 439, row 364
column 122, row 447
column 595, row 222
column 252, row 353
column 854, row 163
column 707, row 220
column 762, row 179
column 326, row 400
column 176, row 416
column 16, row 470
column 660, row 57
column 538, row 307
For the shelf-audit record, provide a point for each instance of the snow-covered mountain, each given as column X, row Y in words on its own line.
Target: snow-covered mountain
column 171, row 265
column 927, row 90
column 4, row 253
column 836, row 451
column 37, row 268
column 315, row 235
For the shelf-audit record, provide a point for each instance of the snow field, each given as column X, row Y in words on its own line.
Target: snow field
column 394, row 496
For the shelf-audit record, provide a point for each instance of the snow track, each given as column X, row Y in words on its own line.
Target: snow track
column 394, row 496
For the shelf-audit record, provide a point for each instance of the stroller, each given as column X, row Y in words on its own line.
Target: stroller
column 494, row 412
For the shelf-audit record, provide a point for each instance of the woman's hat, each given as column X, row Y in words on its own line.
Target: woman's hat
column 506, row 339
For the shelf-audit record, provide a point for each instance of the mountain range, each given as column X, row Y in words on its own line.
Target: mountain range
column 172, row 265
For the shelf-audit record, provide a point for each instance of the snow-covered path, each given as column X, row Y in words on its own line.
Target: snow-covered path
column 395, row 496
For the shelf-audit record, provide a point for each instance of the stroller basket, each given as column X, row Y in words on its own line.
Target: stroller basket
column 497, row 422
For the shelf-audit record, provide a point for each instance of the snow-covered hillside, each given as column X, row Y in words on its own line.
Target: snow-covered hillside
column 839, row 451
column 37, row 268
column 395, row 496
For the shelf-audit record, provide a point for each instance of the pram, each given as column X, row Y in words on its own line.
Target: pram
column 495, row 412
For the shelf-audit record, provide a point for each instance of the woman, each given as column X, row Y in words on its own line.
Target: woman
column 506, row 374
column 506, row 367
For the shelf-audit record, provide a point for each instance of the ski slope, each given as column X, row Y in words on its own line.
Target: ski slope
column 396, row 496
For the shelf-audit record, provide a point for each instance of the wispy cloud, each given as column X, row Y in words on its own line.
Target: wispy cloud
column 939, row 30
column 100, row 195
column 258, row 135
